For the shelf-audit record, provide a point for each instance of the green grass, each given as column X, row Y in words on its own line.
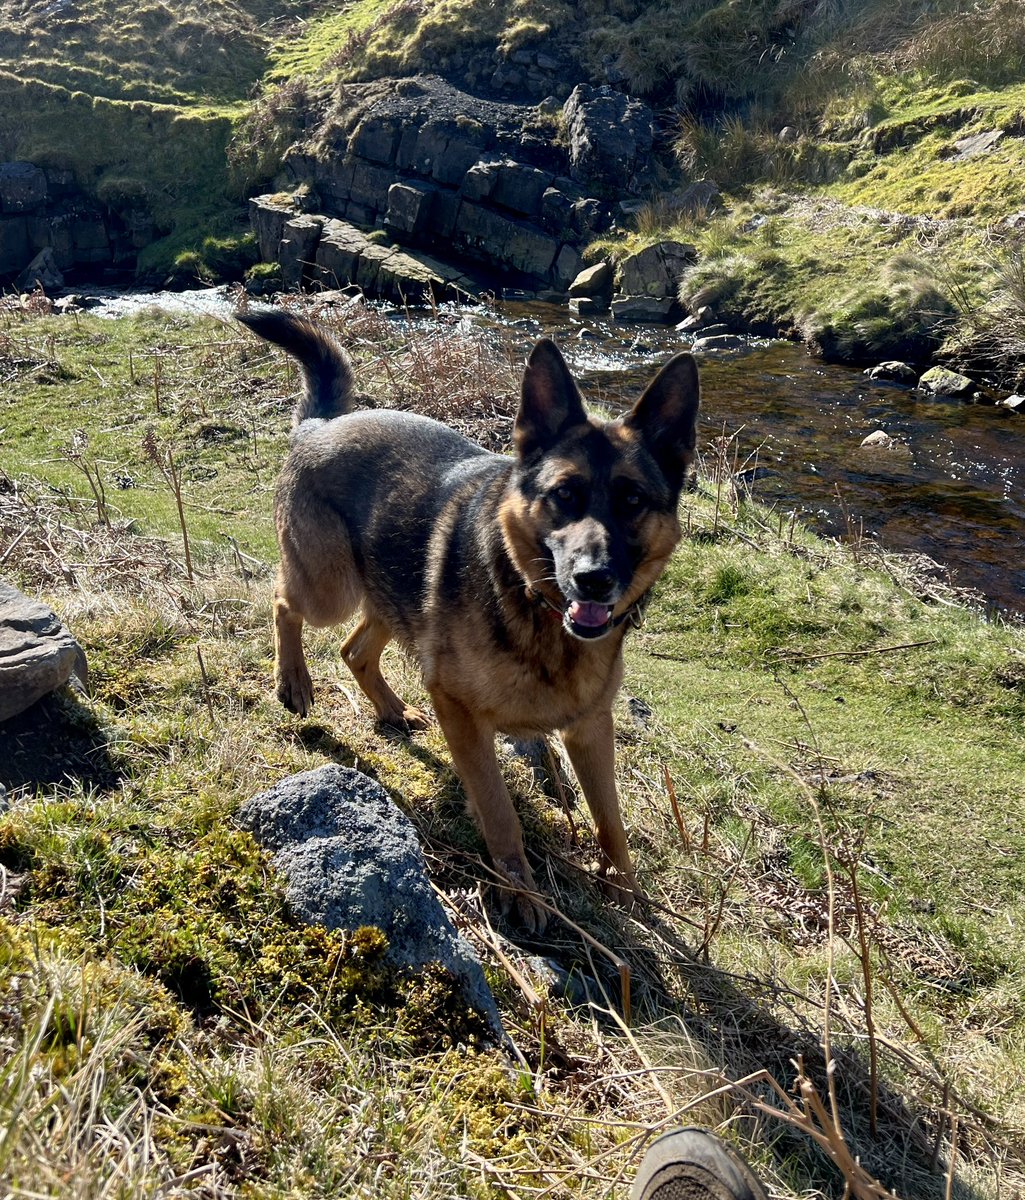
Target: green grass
column 211, row 51
column 116, row 380
column 812, row 706
column 853, row 287
column 323, row 39
column 904, row 160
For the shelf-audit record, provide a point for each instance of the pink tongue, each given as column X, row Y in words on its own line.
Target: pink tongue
column 586, row 612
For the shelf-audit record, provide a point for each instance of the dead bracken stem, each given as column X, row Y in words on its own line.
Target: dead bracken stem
column 812, row 1118
column 795, row 658
column 163, row 458
column 674, row 804
column 75, row 454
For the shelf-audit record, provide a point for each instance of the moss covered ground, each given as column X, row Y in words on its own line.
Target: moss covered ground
column 820, row 758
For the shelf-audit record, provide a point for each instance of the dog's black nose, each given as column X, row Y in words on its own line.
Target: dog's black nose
column 595, row 583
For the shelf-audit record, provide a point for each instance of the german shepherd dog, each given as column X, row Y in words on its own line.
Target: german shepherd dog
column 512, row 580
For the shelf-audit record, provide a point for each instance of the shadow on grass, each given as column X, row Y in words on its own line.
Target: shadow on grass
column 58, row 740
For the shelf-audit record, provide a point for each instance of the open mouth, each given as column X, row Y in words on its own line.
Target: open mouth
column 586, row 619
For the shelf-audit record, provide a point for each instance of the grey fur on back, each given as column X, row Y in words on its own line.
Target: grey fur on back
column 327, row 375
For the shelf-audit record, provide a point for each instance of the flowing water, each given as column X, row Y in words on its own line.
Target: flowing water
column 952, row 486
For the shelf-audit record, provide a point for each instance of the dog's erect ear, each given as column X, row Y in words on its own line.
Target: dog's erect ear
column 549, row 402
column 666, row 417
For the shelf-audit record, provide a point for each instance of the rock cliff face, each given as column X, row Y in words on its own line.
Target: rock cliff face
column 511, row 188
column 44, row 209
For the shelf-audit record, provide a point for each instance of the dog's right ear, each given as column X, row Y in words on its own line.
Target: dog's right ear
column 666, row 417
column 549, row 401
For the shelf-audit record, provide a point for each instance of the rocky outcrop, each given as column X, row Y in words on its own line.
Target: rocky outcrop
column 492, row 185
column 325, row 253
column 43, row 209
column 648, row 282
column 37, row 654
column 351, row 858
column 610, row 137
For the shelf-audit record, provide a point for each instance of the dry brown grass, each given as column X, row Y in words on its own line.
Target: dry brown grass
column 443, row 367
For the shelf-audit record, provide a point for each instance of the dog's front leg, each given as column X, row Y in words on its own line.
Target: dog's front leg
column 292, row 680
column 590, row 744
column 473, row 751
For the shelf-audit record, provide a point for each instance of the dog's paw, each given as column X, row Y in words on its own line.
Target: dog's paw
column 406, row 720
column 413, row 718
column 295, row 691
column 522, row 896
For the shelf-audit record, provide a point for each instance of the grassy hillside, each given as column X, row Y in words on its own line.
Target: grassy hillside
column 821, row 771
column 860, row 216
column 140, row 102
column 199, row 53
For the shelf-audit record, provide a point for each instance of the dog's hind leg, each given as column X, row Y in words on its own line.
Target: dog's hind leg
column 306, row 594
column 362, row 651
column 591, row 748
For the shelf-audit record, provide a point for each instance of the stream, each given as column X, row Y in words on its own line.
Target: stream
column 951, row 487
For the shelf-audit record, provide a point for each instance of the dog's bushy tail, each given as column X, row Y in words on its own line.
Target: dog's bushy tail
column 327, row 375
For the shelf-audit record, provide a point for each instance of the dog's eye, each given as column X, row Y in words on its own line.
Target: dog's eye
column 567, row 495
column 632, row 498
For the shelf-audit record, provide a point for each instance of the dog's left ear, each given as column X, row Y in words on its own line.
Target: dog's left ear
column 666, row 417
column 549, row 401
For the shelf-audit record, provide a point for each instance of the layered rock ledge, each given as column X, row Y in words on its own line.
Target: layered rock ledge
column 512, row 189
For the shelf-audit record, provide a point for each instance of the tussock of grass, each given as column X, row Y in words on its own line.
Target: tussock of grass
column 815, row 269
column 805, row 801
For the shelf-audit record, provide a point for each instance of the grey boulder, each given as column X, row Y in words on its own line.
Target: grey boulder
column 656, row 270
column 37, row 654
column 893, row 372
column 939, row 381
column 350, row 857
